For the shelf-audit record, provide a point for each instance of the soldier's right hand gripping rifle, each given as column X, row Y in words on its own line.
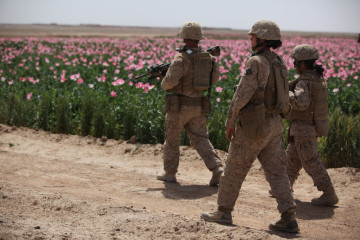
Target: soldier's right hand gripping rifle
column 159, row 70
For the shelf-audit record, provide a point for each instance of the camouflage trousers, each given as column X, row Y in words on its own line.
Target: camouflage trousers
column 271, row 153
column 303, row 153
column 194, row 123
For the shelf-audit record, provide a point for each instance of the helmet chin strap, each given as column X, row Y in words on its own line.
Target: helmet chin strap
column 258, row 44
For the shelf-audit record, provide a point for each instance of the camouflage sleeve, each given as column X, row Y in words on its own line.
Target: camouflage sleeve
column 215, row 72
column 300, row 97
column 245, row 90
column 174, row 74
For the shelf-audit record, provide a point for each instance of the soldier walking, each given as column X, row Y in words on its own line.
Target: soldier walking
column 309, row 120
column 254, row 127
column 192, row 71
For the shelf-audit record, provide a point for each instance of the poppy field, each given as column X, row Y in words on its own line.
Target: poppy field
column 85, row 86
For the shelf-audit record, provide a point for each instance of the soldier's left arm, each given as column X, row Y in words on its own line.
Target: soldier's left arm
column 300, row 98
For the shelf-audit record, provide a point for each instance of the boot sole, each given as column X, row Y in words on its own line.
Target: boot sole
column 223, row 221
column 325, row 204
column 292, row 230
column 166, row 180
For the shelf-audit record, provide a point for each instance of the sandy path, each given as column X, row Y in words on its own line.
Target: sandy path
column 71, row 187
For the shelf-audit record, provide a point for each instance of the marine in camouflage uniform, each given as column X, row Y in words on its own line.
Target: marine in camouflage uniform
column 266, row 145
column 309, row 115
column 180, row 81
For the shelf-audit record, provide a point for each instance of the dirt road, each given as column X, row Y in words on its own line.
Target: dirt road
column 70, row 187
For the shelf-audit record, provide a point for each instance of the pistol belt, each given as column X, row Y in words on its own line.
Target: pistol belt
column 190, row 101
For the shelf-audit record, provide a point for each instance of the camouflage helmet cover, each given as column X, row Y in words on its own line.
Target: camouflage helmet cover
column 191, row 30
column 304, row 52
column 266, row 29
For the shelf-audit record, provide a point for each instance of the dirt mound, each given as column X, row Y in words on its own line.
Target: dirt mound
column 55, row 186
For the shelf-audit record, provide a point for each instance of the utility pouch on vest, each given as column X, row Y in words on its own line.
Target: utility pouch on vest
column 172, row 103
column 206, row 105
column 202, row 70
column 252, row 121
column 321, row 119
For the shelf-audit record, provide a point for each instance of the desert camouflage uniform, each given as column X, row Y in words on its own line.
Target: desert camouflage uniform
column 302, row 149
column 243, row 151
column 189, row 117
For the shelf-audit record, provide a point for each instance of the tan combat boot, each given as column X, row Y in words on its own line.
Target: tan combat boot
column 166, row 177
column 287, row 223
column 328, row 198
column 217, row 216
column 216, row 174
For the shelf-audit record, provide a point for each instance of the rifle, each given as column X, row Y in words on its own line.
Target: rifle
column 161, row 69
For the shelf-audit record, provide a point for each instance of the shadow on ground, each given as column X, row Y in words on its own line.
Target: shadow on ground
column 307, row 211
column 178, row 191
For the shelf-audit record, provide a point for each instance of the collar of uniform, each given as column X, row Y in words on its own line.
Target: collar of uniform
column 309, row 73
column 195, row 49
column 258, row 52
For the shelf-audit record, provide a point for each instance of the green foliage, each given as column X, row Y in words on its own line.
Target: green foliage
column 87, row 114
column 343, row 141
column 63, row 116
column 45, row 111
column 99, row 119
column 347, row 98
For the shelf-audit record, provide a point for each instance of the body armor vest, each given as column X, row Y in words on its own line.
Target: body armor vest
column 317, row 112
column 198, row 77
column 275, row 96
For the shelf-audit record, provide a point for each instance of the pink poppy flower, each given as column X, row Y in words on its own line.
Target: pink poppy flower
column 113, row 94
column 28, row 97
column 218, row 99
column 335, row 90
column 219, row 89
column 80, row 81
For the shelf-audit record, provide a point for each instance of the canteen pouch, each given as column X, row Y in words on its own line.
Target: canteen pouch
column 172, row 103
column 252, row 121
column 206, row 105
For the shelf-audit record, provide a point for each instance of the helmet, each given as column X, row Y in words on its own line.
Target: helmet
column 266, row 29
column 304, row 52
column 191, row 30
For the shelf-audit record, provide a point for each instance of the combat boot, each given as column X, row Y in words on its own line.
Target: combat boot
column 166, row 177
column 287, row 223
column 328, row 198
column 217, row 216
column 216, row 174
